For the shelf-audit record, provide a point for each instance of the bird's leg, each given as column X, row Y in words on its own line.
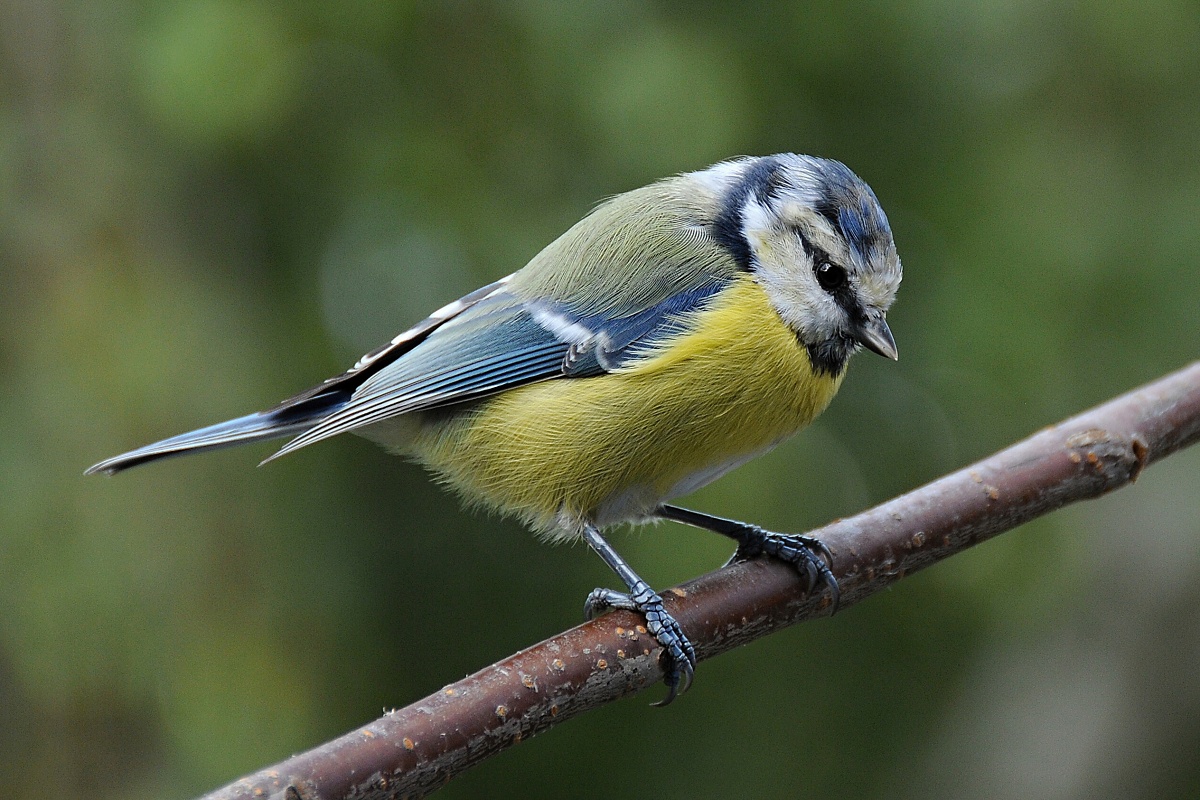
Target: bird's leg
column 679, row 657
column 808, row 555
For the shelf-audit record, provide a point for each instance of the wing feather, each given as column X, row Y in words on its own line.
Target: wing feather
column 502, row 342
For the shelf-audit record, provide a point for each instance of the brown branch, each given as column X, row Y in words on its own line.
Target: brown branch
column 414, row 750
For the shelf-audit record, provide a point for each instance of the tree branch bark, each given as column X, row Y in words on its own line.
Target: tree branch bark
column 413, row 751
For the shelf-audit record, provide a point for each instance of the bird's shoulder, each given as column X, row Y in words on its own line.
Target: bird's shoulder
column 633, row 252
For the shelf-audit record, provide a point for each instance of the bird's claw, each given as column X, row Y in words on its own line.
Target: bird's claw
column 810, row 556
column 678, row 657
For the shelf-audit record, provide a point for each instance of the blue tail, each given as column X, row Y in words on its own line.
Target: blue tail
column 273, row 424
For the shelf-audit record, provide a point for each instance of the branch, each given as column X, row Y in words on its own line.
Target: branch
column 413, row 751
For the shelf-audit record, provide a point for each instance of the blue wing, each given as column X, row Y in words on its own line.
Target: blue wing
column 484, row 343
column 500, row 342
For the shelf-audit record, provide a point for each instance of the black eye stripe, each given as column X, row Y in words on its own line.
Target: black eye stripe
column 830, row 276
column 820, row 259
column 817, row 254
column 841, row 291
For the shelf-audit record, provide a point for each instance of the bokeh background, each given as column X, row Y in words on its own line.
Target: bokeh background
column 207, row 206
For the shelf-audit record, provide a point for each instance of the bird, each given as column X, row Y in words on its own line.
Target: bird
column 674, row 333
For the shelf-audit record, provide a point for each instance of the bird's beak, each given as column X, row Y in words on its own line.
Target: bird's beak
column 876, row 336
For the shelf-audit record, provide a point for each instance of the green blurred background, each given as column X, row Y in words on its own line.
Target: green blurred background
column 208, row 206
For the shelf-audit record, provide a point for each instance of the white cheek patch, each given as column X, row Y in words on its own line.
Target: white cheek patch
column 785, row 273
column 797, row 304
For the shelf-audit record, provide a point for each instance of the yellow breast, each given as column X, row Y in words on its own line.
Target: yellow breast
column 613, row 447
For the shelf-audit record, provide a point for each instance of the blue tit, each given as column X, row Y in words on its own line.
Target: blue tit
column 677, row 331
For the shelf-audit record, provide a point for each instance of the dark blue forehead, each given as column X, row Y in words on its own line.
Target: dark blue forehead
column 851, row 207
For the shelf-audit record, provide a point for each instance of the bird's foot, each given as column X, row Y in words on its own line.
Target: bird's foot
column 678, row 655
column 808, row 555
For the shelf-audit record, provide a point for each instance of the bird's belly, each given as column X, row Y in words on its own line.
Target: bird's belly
column 639, row 500
column 613, row 447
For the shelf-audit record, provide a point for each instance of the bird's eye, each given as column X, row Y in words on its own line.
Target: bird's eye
column 830, row 276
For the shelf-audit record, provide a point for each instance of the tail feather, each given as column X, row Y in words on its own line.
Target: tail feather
column 256, row 427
